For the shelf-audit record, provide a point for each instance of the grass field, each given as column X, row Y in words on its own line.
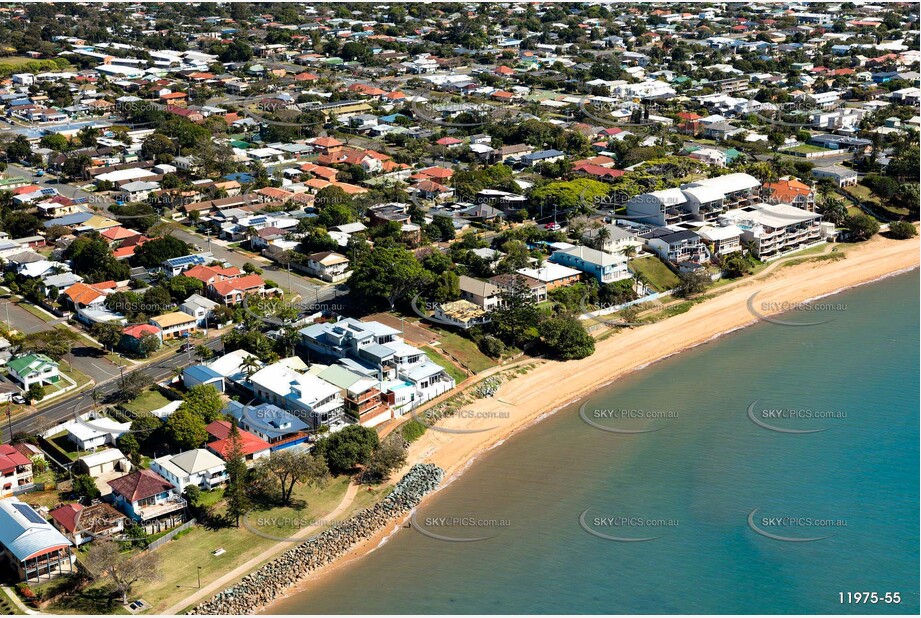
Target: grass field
column 147, row 401
column 465, row 351
column 452, row 369
column 657, row 274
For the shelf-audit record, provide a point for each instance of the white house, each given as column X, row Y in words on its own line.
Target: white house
column 90, row 434
column 33, row 369
column 196, row 467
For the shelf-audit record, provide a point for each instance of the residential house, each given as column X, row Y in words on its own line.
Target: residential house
column 328, row 266
column 605, row 267
column 149, row 499
column 15, row 471
column 280, row 428
column 176, row 324
column 90, row 434
column 233, row 291
column 840, row 175
column 252, row 447
column 790, row 191
column 31, row 549
column 200, row 308
column 198, row 467
column 132, row 336
column 676, row 246
column 32, row 369
column 537, row 288
column 723, row 239
column 301, row 393
column 81, row 524
column 552, row 274
column 483, row 294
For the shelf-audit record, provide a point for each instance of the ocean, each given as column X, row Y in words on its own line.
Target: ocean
column 726, row 500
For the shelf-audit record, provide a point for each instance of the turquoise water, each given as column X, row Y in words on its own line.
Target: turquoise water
column 701, row 473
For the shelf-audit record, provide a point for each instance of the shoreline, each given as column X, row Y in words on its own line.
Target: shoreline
column 530, row 398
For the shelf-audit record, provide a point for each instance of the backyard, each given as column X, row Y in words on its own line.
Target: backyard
column 657, row 274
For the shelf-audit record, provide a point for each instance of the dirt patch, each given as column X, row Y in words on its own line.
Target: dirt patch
column 413, row 334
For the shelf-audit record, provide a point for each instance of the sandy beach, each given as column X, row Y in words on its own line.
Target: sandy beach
column 552, row 385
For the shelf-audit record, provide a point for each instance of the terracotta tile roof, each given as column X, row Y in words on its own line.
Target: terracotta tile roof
column 83, row 294
column 140, row 484
column 220, row 431
column 242, row 284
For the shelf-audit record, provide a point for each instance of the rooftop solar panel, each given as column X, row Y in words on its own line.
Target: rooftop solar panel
column 26, row 511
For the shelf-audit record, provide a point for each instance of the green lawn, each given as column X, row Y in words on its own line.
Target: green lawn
column 452, row 369
column 194, row 549
column 64, row 447
column 806, row 149
column 7, row 607
column 147, row 401
column 656, row 272
column 465, row 351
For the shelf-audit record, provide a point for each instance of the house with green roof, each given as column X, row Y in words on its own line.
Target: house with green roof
column 34, row 369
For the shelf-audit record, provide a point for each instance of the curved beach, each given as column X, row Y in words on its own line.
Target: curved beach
column 552, row 385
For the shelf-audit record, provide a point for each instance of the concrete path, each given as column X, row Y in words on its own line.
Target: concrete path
column 251, row 565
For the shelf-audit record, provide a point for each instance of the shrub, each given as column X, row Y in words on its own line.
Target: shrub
column 412, row 430
column 901, row 230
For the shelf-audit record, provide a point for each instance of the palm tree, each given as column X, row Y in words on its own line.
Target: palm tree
column 642, row 283
column 630, row 251
column 250, row 366
column 602, row 236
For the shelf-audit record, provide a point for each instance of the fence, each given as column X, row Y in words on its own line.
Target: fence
column 169, row 535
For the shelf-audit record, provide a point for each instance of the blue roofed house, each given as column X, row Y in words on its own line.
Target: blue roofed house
column 30, row 547
column 280, row 428
column 604, row 267
column 177, row 266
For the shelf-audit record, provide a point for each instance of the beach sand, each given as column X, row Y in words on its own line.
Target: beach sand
column 552, row 385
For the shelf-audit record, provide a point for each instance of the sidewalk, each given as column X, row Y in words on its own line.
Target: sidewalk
column 251, row 565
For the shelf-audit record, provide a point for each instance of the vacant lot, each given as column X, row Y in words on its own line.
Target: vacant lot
column 657, row 274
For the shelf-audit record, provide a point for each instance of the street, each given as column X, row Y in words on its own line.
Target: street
column 81, row 402
column 84, row 357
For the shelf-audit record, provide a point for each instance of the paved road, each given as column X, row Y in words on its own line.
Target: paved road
column 84, row 357
column 81, row 402
column 309, row 291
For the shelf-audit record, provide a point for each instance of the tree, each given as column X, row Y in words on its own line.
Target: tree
column 91, row 257
column 236, row 493
column 861, row 226
column 155, row 252
column 515, row 318
column 20, row 224
column 566, row 338
column 192, row 494
column 148, row 344
column 205, row 401
column 105, row 560
column 833, row 210
column 387, row 274
column 291, row 467
column 35, row 392
column 185, row 430
column 19, row 149
column 130, row 386
column 902, row 230
column 76, row 165
column 691, row 283
column 389, row 456
column 109, row 334
column 347, row 448
column 157, row 145
column 84, row 486
column 736, row 265
column 56, row 342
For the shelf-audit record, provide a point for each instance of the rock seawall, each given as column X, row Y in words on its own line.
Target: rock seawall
column 271, row 580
